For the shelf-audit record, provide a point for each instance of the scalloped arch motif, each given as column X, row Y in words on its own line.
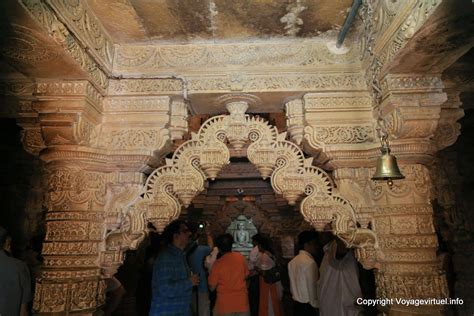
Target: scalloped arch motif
column 184, row 175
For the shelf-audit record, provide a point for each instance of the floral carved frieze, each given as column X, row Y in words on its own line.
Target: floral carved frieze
column 26, row 46
column 142, row 124
column 402, row 82
column 422, row 255
column 137, row 104
column 416, row 187
column 307, row 54
column 342, row 134
column 70, row 89
column 77, row 248
column 75, row 187
column 57, row 297
column 410, row 286
column 292, row 82
column 408, row 242
column 388, row 26
column 240, row 82
column 59, row 31
column 131, row 139
column 140, row 86
column 355, row 101
column 77, row 17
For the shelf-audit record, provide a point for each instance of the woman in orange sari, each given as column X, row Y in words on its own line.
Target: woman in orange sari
column 270, row 293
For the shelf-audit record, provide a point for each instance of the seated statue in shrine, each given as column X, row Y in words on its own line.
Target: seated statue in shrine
column 242, row 229
column 242, row 237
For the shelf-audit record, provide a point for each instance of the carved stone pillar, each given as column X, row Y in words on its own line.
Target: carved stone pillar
column 412, row 110
column 95, row 150
column 402, row 219
column 70, row 280
column 340, row 133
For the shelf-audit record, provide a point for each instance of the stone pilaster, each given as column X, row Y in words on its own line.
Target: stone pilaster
column 402, row 218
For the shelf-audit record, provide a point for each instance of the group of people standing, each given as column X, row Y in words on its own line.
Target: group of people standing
column 332, row 288
column 185, row 273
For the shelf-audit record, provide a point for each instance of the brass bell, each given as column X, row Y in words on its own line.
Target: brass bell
column 387, row 167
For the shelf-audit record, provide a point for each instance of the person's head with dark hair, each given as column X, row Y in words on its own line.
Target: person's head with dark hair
column 265, row 244
column 3, row 237
column 308, row 241
column 177, row 233
column 224, row 243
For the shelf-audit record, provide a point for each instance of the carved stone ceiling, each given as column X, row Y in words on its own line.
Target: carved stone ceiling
column 177, row 21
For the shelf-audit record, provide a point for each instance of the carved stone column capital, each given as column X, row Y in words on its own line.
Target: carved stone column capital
column 76, row 123
column 138, row 126
column 91, row 128
column 410, row 110
column 448, row 128
column 339, row 128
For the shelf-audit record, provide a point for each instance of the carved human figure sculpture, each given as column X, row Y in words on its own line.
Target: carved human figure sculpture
column 242, row 237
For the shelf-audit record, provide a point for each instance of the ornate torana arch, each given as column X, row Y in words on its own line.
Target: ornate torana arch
column 184, row 175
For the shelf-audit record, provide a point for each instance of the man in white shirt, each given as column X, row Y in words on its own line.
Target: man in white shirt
column 303, row 273
column 339, row 283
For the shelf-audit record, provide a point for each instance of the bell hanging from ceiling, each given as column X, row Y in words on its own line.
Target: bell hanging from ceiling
column 387, row 167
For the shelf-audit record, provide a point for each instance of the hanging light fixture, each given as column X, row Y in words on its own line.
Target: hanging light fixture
column 387, row 167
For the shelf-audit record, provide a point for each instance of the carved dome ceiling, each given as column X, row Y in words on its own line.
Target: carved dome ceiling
column 182, row 21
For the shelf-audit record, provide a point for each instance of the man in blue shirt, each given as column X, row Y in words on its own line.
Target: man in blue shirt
column 172, row 280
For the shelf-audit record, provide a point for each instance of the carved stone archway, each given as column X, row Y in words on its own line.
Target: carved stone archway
column 184, row 175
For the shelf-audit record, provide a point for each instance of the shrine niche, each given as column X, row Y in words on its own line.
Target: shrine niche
column 291, row 175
